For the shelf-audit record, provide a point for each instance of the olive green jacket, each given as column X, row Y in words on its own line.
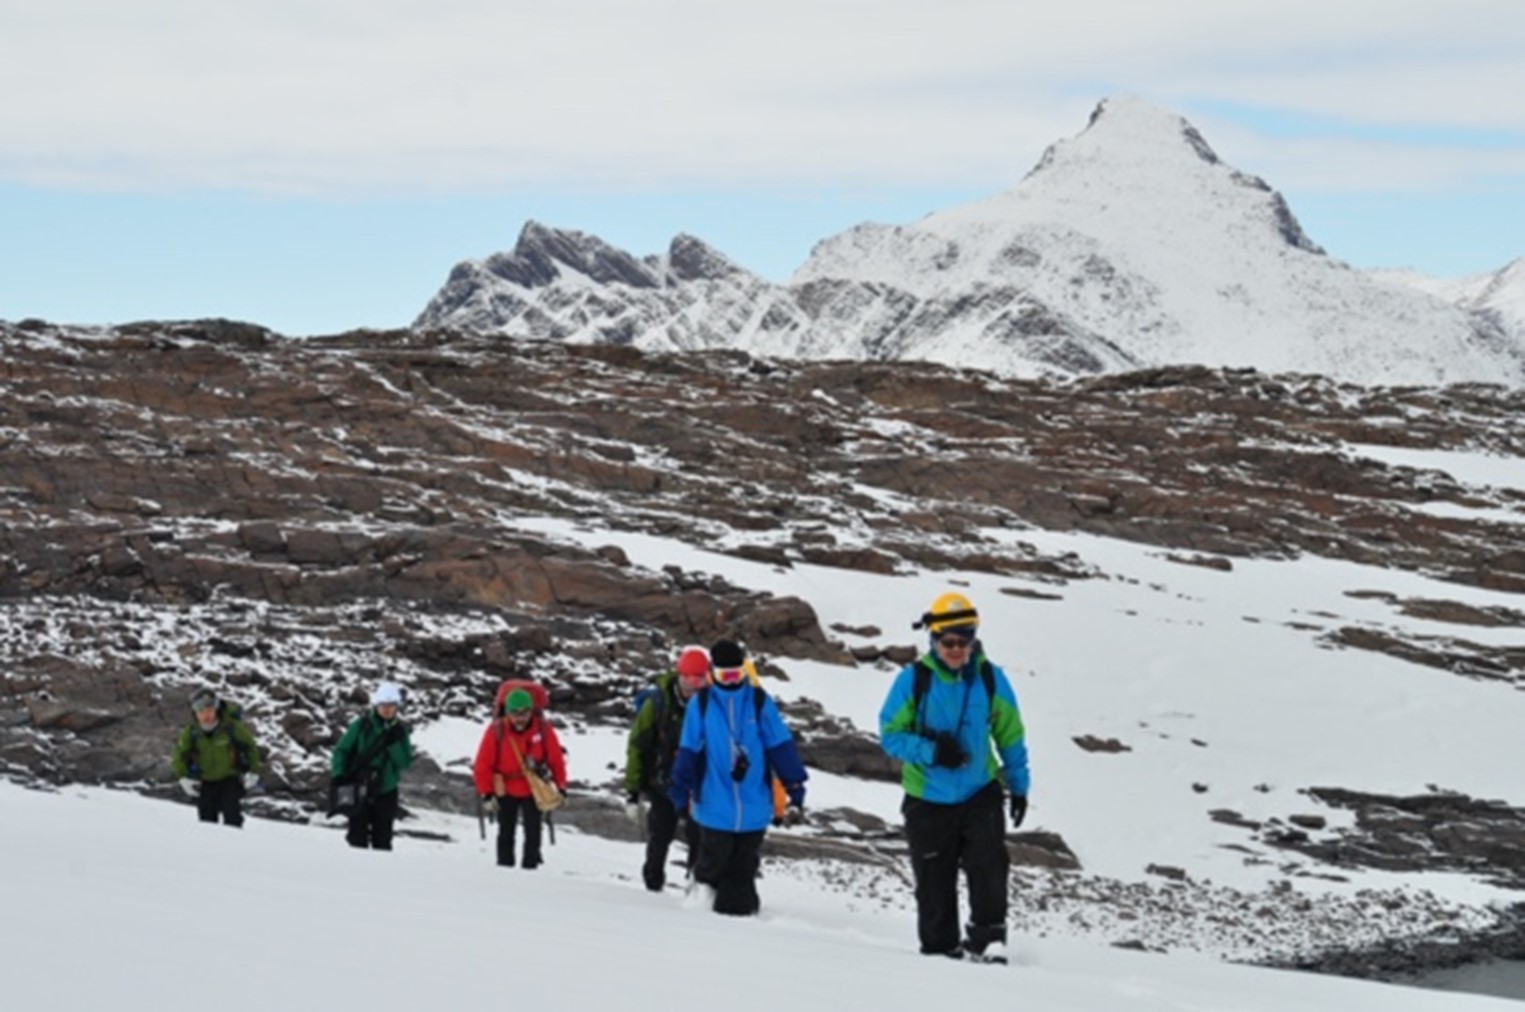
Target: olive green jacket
column 225, row 751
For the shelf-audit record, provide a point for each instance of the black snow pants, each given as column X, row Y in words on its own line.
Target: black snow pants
column 662, row 823
column 372, row 825
column 509, row 810
column 728, row 862
column 221, row 797
column 944, row 838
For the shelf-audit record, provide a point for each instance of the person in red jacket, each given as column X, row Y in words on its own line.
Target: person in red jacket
column 521, row 737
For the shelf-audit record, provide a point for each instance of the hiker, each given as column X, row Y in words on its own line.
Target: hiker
column 376, row 747
column 732, row 738
column 520, row 737
column 649, row 754
column 940, row 719
column 215, row 759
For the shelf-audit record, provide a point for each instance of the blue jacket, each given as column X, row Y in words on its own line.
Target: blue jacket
column 956, row 702
column 714, row 735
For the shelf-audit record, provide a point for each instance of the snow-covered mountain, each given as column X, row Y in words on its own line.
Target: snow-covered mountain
column 1129, row 245
column 1498, row 297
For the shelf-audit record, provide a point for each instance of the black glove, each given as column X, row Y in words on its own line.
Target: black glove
column 394, row 733
column 1018, row 809
column 489, row 804
column 946, row 751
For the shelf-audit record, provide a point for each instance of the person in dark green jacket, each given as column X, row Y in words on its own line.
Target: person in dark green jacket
column 649, row 753
column 216, row 759
column 375, row 747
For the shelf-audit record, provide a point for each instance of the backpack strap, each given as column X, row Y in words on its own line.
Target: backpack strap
column 538, row 718
column 659, row 741
column 921, row 681
column 231, row 716
column 228, row 722
column 188, row 751
column 758, row 698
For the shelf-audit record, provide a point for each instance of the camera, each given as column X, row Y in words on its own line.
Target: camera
column 739, row 767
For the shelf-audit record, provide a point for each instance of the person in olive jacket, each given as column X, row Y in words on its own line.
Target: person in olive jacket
column 215, row 759
column 649, row 754
column 379, row 740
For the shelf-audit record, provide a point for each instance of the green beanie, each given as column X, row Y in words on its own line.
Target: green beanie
column 517, row 700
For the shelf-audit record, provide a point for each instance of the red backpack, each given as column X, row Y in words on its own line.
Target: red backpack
column 539, row 697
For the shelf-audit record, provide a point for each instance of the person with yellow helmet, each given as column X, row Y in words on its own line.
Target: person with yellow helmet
column 941, row 717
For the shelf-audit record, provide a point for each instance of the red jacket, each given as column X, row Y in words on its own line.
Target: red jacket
column 495, row 756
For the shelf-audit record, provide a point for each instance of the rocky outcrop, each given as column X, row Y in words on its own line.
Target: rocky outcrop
column 1442, row 831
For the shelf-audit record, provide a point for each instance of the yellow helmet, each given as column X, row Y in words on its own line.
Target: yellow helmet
column 949, row 611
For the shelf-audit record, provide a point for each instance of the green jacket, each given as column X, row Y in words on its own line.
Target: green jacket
column 225, row 751
column 363, row 732
column 653, row 740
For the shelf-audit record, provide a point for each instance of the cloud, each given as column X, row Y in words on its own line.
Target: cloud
column 1338, row 164
column 340, row 96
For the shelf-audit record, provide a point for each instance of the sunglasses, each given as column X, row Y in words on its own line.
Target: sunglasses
column 953, row 642
column 730, row 674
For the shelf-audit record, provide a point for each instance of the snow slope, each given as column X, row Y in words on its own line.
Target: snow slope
column 162, row 911
column 1498, row 296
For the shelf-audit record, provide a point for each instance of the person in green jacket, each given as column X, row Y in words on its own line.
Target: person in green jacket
column 216, row 759
column 375, row 747
column 652, row 744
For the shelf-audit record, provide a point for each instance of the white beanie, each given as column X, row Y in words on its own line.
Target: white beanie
column 386, row 692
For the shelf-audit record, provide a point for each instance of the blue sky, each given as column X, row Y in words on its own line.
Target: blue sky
column 317, row 165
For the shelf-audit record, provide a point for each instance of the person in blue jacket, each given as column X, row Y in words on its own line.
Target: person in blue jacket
column 731, row 742
column 941, row 718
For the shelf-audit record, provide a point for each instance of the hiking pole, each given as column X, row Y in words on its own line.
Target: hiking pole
column 550, row 825
column 481, row 819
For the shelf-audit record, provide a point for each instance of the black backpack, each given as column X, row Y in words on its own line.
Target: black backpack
column 229, row 716
column 758, row 698
column 660, row 744
column 921, row 681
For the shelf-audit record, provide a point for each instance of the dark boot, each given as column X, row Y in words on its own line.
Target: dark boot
column 985, row 943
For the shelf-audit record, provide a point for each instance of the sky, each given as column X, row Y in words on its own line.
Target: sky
column 319, row 165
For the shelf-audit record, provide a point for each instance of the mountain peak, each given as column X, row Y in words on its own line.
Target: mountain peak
column 1157, row 164
column 692, row 259
column 543, row 254
column 1125, row 132
column 1132, row 119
